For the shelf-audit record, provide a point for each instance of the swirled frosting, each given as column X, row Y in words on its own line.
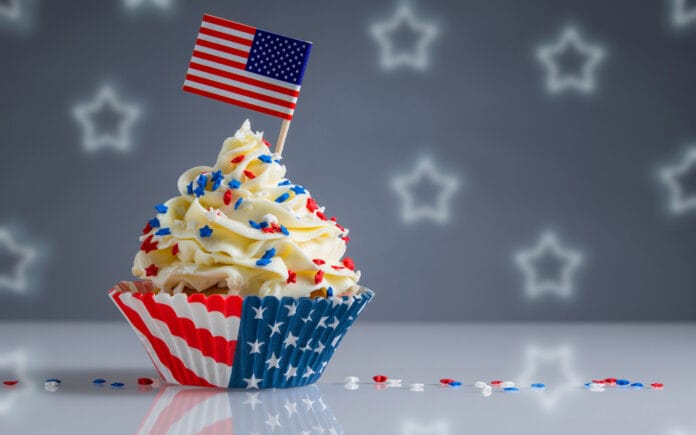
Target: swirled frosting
column 242, row 226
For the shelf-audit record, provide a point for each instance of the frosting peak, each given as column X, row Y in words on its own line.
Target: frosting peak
column 241, row 225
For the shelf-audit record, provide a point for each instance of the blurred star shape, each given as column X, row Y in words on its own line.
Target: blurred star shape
column 674, row 176
column 386, row 34
column 414, row 209
column 106, row 102
column 24, row 256
column 14, row 363
column 683, row 14
column 530, row 261
column 570, row 43
column 136, row 4
column 541, row 363
column 10, row 9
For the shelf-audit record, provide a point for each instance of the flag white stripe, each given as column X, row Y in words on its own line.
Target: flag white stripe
column 222, row 54
column 229, row 31
column 224, row 42
column 248, row 87
column 246, row 73
column 213, row 321
column 162, row 403
column 238, row 97
column 163, row 370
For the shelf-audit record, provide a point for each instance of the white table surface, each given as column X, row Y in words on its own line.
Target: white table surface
column 563, row 356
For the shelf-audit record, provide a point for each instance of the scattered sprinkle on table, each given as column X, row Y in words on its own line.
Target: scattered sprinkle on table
column 380, row 378
column 99, row 381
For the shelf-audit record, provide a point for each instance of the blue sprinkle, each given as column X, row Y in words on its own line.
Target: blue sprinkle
column 538, row 386
column 57, row 381
column 277, row 161
column 254, row 224
column 117, row 385
column 329, row 293
column 216, row 184
column 284, row 183
column 206, row 231
column 637, row 385
column 269, row 254
column 282, row 197
column 202, row 180
column 161, row 208
column 623, row 382
column 189, row 188
column 266, row 159
column 234, row 184
column 263, row 262
column 217, row 175
column 263, row 225
column 298, row 190
column 199, row 191
column 587, row 385
column 238, row 203
column 455, row 384
column 511, row 389
column 284, row 230
column 99, row 381
column 163, row 232
column 154, row 222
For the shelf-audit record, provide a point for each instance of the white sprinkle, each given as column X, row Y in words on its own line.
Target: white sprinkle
column 487, row 391
column 507, row 384
column 416, row 387
column 351, row 380
column 480, row 384
column 394, row 383
column 351, row 386
column 270, row 218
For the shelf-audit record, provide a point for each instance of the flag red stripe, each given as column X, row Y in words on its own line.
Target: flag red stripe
column 229, row 23
column 222, row 426
column 229, row 306
column 223, row 48
column 238, row 103
column 215, row 347
column 181, row 373
column 240, row 91
column 225, row 36
column 183, row 402
column 244, row 79
column 218, row 59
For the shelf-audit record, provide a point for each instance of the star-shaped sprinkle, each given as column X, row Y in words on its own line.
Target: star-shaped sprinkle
column 290, row 340
column 275, row 328
column 106, row 104
column 425, row 176
column 674, row 177
column 255, row 346
column 386, row 34
column 570, row 43
column 206, row 231
column 253, row 381
column 273, row 362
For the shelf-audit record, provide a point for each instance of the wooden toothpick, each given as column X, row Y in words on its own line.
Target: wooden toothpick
column 281, row 136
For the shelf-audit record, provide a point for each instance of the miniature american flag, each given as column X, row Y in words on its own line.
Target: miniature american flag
column 249, row 67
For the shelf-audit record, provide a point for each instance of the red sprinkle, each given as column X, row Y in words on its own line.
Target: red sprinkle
column 249, row 174
column 380, row 379
column 145, row 381
column 292, row 276
column 321, row 215
column 610, row 381
column 318, row 261
column 319, row 277
column 148, row 245
column 348, row 262
column 10, row 383
column 338, row 267
column 267, row 143
column 598, row 381
column 657, row 385
column 312, row 205
column 496, row 383
column 332, row 218
column 151, row 270
column 446, row 381
column 268, row 230
column 147, row 228
column 345, row 239
column 340, row 227
column 227, row 197
column 238, row 159
column 175, row 249
column 276, row 228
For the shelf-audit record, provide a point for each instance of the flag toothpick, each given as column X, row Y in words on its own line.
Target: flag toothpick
column 284, row 127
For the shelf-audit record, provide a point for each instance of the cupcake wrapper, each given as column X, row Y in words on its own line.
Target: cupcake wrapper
column 235, row 342
column 193, row 410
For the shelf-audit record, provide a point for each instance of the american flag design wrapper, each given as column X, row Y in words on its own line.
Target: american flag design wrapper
column 230, row 341
column 183, row 410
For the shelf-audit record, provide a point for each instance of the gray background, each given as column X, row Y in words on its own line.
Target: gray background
column 528, row 161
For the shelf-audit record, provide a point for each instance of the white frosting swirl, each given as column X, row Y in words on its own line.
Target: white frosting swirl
column 241, row 225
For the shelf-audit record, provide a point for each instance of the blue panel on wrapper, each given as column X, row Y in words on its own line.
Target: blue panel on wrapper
column 278, row 57
column 300, row 333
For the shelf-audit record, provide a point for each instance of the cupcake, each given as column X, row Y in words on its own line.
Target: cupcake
column 244, row 283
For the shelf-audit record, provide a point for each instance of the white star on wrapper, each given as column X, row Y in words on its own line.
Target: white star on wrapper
column 682, row 14
column 322, row 322
column 252, row 398
column 414, row 428
column 561, row 359
column 335, row 340
column 291, row 372
column 86, row 113
column 414, row 209
column 252, row 382
column 306, row 347
column 17, row 280
column 290, row 407
column 679, row 202
column 320, row 347
column 258, row 312
column 292, row 309
column 255, row 346
column 273, row 420
column 385, row 33
column 290, row 340
column 273, row 362
column 309, row 403
column 334, row 324
column 582, row 81
column 275, row 328
column 534, row 284
column 309, row 372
